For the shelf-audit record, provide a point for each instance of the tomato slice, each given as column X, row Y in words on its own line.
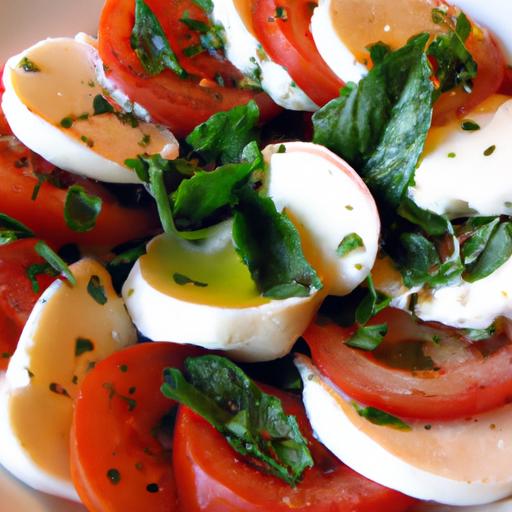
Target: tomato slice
column 506, row 86
column 181, row 104
column 45, row 214
column 17, row 297
column 410, row 375
column 288, row 41
column 121, row 439
column 212, row 477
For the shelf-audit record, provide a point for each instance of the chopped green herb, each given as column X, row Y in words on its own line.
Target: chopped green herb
column 66, row 122
column 368, row 337
column 55, row 261
column 101, row 105
column 81, row 210
column 30, row 373
column 206, row 5
column 281, row 149
column 378, row 417
column 281, row 13
column 349, row 244
column 183, row 280
column 37, row 269
column 372, row 303
column 59, row 390
column 86, row 140
column 12, row 229
column 192, row 51
column 6, row 355
column 490, row 150
column 83, row 117
column 451, row 155
column 469, row 125
column 123, row 368
column 145, row 141
column 127, row 118
column 91, row 83
column 114, row 476
column 152, row 488
column 195, row 25
column 96, row 290
column 28, row 66
column 83, row 345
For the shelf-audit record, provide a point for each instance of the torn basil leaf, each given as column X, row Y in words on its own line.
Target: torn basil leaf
column 476, row 244
column 253, row 422
column 100, row 105
column 12, row 229
column 368, row 337
column 372, row 303
column 55, row 261
column 378, row 417
column 150, row 43
column 183, row 280
column 431, row 222
column 270, row 246
column 81, row 210
column 350, row 243
column 206, row 5
column 224, row 135
column 96, row 290
column 379, row 125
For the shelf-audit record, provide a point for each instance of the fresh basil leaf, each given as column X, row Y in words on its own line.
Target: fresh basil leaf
column 378, row 51
column 476, row 244
column 55, row 261
column 455, row 66
column 380, row 125
column 350, row 243
column 253, row 423
column 37, row 269
column 183, row 280
column 431, row 222
column 224, row 136
column 270, row 246
column 150, row 43
column 206, row 5
column 12, row 229
column 368, row 337
column 201, row 196
column 378, row 417
column 497, row 251
column 195, row 25
column 96, row 290
column 81, row 210
column 372, row 303
column 101, row 105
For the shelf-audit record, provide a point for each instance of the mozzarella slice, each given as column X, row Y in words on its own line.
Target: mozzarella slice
column 246, row 53
column 343, row 29
column 44, row 375
column 61, row 92
column 464, row 173
column 328, row 202
column 218, row 308
column 463, row 462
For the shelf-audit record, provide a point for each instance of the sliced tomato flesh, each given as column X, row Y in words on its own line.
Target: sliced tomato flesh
column 506, row 85
column 419, row 371
column 212, row 477
column 121, row 440
column 178, row 103
column 282, row 27
column 17, row 294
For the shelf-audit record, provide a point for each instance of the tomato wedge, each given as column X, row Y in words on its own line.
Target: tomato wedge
column 420, row 371
column 506, row 86
column 181, row 104
column 212, row 477
column 121, row 439
column 288, row 41
column 17, row 297
column 45, row 214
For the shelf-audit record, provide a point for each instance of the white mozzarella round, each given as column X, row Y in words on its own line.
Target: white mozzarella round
column 45, row 372
column 35, row 104
column 464, row 173
column 223, row 310
column 459, row 462
column 246, row 53
column 327, row 201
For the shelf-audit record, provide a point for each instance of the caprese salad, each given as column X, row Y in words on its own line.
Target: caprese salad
column 257, row 255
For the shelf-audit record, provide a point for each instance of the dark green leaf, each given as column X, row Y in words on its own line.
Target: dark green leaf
column 96, row 290
column 380, row 125
column 150, row 43
column 37, row 269
column 121, row 265
column 101, row 105
column 497, row 251
column 11, row 230
column 83, row 345
column 28, row 66
column 368, row 337
column 430, row 222
column 378, row 417
column 55, row 261
column 195, row 25
column 476, row 244
column 224, row 136
column 372, row 303
column 183, row 280
column 349, row 243
column 378, row 51
column 252, row 422
column 469, row 125
column 270, row 246
column 206, row 5
column 81, row 210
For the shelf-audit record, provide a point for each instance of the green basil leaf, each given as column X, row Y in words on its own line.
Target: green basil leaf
column 368, row 337
column 252, row 422
column 55, row 261
column 431, row 222
column 420, row 256
column 497, row 251
column 81, row 210
column 349, row 243
column 378, row 417
column 380, row 125
column 12, row 229
column 96, row 290
column 150, row 43
column 270, row 246
column 476, row 244
column 206, row 5
column 378, row 51
column 372, row 303
column 224, row 136
column 101, row 105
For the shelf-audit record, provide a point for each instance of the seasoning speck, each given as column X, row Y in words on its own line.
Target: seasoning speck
column 114, row 476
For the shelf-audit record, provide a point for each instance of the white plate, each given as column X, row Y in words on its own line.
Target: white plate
column 24, row 22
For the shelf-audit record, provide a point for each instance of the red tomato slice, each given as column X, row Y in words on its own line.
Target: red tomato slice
column 121, row 445
column 289, row 42
column 181, row 104
column 17, row 298
column 410, row 375
column 45, row 215
column 212, row 477
column 506, row 86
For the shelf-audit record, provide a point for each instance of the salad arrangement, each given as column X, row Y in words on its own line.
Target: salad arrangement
column 212, row 299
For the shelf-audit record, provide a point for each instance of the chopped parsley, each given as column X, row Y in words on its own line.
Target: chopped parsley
column 81, row 210
column 183, row 280
column 490, row 150
column 378, row 417
column 114, row 476
column 28, row 65
column 349, row 244
column 83, row 345
column 469, row 126
column 96, row 290
column 55, row 261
